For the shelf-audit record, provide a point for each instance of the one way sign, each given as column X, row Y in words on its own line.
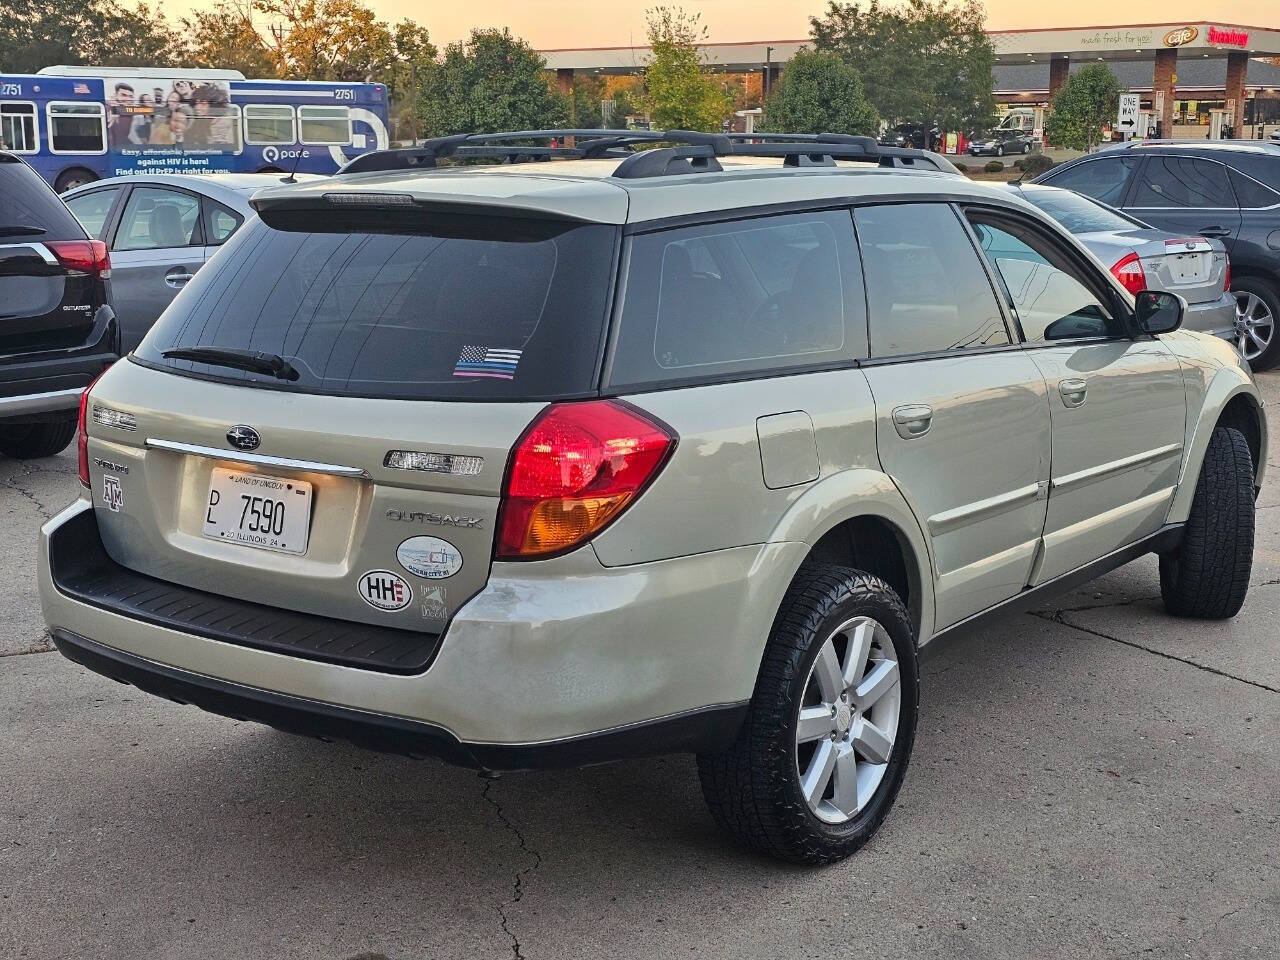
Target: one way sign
column 1127, row 122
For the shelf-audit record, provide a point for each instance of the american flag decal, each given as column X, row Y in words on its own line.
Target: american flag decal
column 485, row 362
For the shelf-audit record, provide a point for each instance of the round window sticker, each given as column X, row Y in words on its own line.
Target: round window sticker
column 385, row 590
column 429, row 557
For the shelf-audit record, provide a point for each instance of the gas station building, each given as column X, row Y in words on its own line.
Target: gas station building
column 1195, row 79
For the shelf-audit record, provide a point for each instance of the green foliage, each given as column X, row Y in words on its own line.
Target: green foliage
column 679, row 93
column 925, row 61
column 819, row 93
column 492, row 82
column 39, row 33
column 588, row 93
column 1090, row 98
column 961, row 166
column 993, row 166
column 1036, row 164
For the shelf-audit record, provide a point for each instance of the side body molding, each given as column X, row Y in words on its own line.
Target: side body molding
column 865, row 493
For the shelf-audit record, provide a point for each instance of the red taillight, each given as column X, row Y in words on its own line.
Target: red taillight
column 1130, row 274
column 1226, row 277
column 573, row 472
column 82, row 433
column 87, row 256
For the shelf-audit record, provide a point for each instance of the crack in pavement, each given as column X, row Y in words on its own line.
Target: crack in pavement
column 517, row 890
column 12, row 482
column 1159, row 653
column 1059, row 611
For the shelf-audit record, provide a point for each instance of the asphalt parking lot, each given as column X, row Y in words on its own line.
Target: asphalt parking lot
column 1092, row 779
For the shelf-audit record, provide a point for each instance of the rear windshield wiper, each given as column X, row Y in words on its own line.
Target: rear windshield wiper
column 21, row 230
column 273, row 365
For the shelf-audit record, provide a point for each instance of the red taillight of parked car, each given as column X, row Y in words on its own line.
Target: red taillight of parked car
column 575, row 469
column 1226, row 277
column 1128, row 270
column 87, row 256
column 82, row 433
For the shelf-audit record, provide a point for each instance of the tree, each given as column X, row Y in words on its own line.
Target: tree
column 819, row 93
column 679, row 94
column 37, row 33
column 926, row 61
column 327, row 39
column 492, row 82
column 1090, row 98
column 227, row 37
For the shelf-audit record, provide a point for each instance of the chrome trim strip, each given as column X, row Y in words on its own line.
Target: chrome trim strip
column 957, row 517
column 258, row 459
column 1102, row 470
column 45, row 253
column 49, row 402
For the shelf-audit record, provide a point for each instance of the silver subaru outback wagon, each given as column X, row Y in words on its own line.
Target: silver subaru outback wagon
column 685, row 449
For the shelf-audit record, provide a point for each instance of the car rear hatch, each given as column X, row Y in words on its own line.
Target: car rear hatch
column 361, row 481
column 51, row 275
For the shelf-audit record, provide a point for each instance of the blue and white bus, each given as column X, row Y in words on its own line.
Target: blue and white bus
column 77, row 124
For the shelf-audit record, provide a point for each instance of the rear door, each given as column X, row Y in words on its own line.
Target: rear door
column 1117, row 402
column 1187, row 196
column 366, row 487
column 962, row 416
column 157, row 247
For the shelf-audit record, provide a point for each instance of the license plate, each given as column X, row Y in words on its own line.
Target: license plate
column 1190, row 267
column 254, row 510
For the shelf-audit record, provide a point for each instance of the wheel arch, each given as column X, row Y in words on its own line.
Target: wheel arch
column 64, row 174
column 859, row 518
column 1231, row 399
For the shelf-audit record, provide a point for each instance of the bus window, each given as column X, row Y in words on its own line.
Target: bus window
column 321, row 125
column 268, row 123
column 77, row 128
column 18, row 127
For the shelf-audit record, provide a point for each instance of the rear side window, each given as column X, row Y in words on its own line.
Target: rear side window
column 1183, row 183
column 219, row 222
column 1251, row 194
column 927, row 289
column 26, row 201
column 1102, row 179
column 408, row 304
column 759, row 295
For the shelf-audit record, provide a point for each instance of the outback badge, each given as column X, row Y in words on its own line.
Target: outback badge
column 243, row 437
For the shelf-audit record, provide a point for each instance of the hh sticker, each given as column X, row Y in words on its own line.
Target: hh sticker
column 112, row 493
column 429, row 557
column 487, row 362
column 385, row 590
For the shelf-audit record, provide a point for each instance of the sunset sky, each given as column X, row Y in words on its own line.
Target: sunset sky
column 593, row 23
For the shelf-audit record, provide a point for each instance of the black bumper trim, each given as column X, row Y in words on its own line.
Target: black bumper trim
column 82, row 569
column 707, row 730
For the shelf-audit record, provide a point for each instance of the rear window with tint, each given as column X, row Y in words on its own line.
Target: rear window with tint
column 27, row 201
column 413, row 305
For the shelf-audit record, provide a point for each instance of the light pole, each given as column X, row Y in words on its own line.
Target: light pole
column 768, row 70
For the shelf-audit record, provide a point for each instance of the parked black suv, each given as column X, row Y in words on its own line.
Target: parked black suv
column 1229, row 189
column 57, row 328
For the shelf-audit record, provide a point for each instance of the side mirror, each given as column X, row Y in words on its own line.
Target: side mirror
column 1158, row 311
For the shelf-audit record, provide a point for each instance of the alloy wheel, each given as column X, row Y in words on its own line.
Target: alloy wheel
column 848, row 720
column 1255, row 324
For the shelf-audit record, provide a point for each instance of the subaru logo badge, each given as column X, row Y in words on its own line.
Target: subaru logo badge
column 243, row 438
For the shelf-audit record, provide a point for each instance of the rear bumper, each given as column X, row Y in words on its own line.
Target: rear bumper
column 553, row 663
column 1218, row 317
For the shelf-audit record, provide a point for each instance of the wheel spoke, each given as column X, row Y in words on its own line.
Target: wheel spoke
column 1241, row 345
column 845, row 793
column 815, row 779
column 855, row 657
column 815, row 722
column 1261, row 343
column 826, row 670
column 871, row 743
column 876, row 684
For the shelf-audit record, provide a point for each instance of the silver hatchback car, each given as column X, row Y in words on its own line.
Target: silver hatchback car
column 689, row 449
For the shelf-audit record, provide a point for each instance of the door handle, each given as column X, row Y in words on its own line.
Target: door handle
column 177, row 278
column 1215, row 232
column 912, row 420
column 1073, row 391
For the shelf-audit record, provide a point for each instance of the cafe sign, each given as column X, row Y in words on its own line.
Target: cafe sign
column 1181, row 36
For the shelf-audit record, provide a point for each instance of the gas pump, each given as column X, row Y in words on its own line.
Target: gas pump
column 1220, row 125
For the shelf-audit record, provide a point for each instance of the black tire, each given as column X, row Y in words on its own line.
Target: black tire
column 1026, row 148
column 1268, row 294
column 753, row 788
column 1207, row 577
column 74, row 177
column 1000, row 150
column 28, row 441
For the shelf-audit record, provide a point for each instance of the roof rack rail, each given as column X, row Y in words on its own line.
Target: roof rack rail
column 677, row 151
